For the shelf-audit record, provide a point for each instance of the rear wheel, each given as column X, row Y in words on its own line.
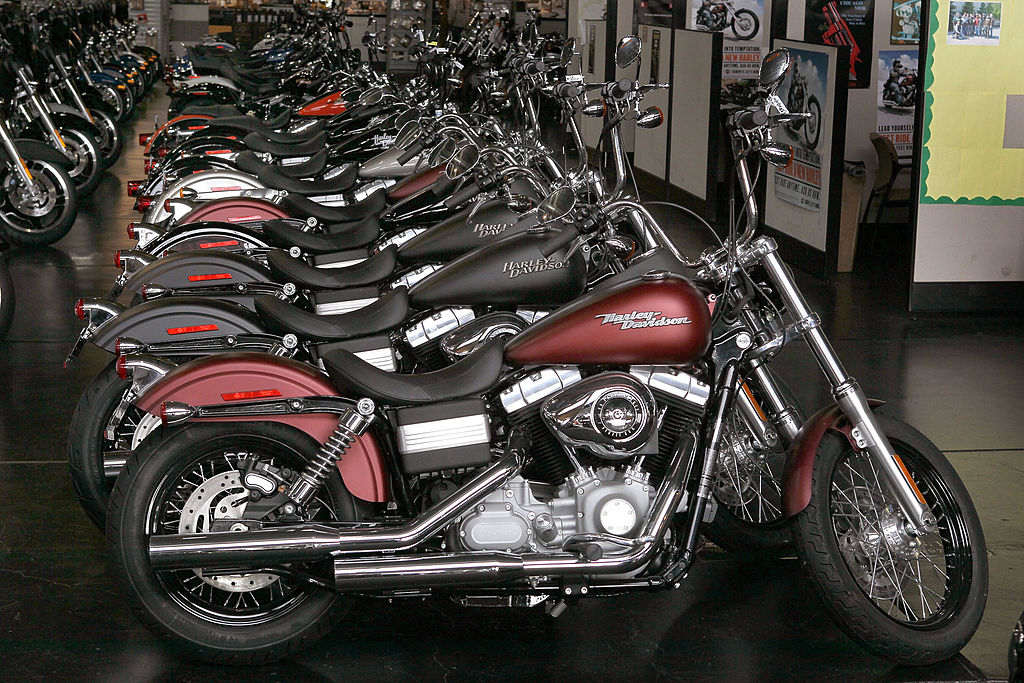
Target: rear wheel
column 914, row 599
column 187, row 481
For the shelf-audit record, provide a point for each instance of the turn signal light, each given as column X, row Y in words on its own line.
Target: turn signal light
column 80, row 309
column 143, row 203
column 144, row 138
column 167, row 205
column 122, row 366
column 134, row 186
column 131, row 231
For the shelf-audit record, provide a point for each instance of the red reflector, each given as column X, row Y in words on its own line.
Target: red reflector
column 122, row 367
column 144, row 139
column 193, row 328
column 117, row 259
column 80, row 309
column 199, row 92
column 217, row 151
column 211, row 276
column 196, row 127
column 131, row 231
column 214, row 245
column 134, row 186
column 243, row 395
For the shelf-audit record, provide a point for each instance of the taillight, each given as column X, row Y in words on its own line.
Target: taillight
column 117, row 258
column 134, row 186
column 144, row 138
column 148, row 165
column 143, row 203
column 163, row 413
column 80, row 309
column 167, row 205
column 131, row 231
column 122, row 367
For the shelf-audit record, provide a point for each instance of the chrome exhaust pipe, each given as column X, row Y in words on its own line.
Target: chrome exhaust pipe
column 307, row 542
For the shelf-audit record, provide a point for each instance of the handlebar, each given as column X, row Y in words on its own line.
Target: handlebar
column 467, row 192
column 414, row 149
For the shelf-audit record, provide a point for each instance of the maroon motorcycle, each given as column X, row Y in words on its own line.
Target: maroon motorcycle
column 578, row 459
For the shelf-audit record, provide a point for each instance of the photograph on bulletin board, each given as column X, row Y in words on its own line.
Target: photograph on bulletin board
column 742, row 25
column 897, row 97
column 974, row 23
column 848, row 23
column 906, row 22
column 805, row 89
column 654, row 12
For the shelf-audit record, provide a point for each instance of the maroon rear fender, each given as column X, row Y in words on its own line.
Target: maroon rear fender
column 235, row 210
column 796, row 475
column 214, row 379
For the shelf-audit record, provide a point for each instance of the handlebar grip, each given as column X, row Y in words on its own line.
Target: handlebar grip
column 467, row 192
column 560, row 240
column 413, row 150
column 621, row 88
column 567, row 90
column 534, row 68
column 752, row 119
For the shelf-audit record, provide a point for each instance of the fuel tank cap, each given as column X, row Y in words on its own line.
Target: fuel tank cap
column 657, row 275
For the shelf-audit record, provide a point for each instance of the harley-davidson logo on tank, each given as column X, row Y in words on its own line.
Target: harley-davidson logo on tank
column 640, row 319
column 514, row 269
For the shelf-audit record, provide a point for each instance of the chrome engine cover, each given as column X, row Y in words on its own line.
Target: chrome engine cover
column 525, row 517
column 611, row 415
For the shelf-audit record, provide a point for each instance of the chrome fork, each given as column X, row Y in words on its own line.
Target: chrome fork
column 847, row 392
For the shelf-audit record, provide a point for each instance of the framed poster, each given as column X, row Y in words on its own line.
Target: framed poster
column 743, row 28
column 898, row 85
column 844, row 23
column 906, row 22
column 802, row 200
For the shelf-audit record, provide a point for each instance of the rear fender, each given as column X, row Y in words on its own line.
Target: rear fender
column 206, row 381
column 204, row 236
column 162, row 137
column 228, row 181
column 236, row 210
column 40, row 151
column 197, row 268
column 796, row 475
column 176, row 319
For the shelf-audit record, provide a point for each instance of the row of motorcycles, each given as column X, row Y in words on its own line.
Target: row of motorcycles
column 70, row 78
column 375, row 338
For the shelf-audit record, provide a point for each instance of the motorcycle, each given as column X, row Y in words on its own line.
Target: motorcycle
column 900, row 92
column 797, row 100
column 575, row 460
column 718, row 15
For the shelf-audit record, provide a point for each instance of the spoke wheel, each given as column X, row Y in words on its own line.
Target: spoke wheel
column 40, row 218
column 915, row 599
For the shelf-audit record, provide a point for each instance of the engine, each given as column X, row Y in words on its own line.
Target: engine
column 599, row 448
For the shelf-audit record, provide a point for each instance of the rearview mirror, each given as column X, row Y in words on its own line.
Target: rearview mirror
column 371, row 96
column 627, row 51
column 408, row 134
column 405, row 117
column 568, row 50
column 444, row 151
column 464, row 161
column 556, row 205
column 774, row 68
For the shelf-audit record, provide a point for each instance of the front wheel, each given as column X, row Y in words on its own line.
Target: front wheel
column 111, row 141
column 41, row 214
column 914, row 599
column 812, row 126
column 745, row 24
column 88, row 169
column 188, row 481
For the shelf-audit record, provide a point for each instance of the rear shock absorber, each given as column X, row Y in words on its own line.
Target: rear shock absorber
column 352, row 424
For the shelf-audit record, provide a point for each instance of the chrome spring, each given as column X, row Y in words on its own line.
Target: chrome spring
column 351, row 425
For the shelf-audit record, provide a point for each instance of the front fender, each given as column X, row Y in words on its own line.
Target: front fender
column 177, row 319
column 206, row 381
column 40, row 151
column 197, row 268
column 797, row 473
column 77, row 122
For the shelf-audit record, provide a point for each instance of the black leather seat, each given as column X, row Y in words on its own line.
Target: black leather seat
column 252, row 124
column 215, row 110
column 248, row 162
column 471, row 376
column 277, row 178
column 281, row 233
column 281, row 317
column 300, row 147
column 303, row 206
column 378, row 267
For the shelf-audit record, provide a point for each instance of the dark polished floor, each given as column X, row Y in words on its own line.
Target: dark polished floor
column 957, row 378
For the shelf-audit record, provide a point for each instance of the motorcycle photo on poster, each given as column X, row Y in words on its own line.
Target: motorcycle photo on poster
column 848, row 23
column 897, row 96
column 803, row 90
column 741, row 23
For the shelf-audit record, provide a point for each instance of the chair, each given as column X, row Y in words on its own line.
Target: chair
column 889, row 167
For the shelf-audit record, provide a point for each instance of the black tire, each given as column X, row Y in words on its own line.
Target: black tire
column 745, row 24
column 31, row 226
column 87, row 442
column 111, row 141
column 6, row 293
column 88, row 170
column 734, row 528
column 833, row 549
column 201, row 627
column 812, row 126
column 112, row 96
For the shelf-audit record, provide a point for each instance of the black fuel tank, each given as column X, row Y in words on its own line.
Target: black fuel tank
column 511, row 271
column 462, row 233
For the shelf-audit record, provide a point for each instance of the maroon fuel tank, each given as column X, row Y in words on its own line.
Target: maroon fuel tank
column 657, row 319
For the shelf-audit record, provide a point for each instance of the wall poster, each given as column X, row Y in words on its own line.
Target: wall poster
column 804, row 90
column 743, row 29
column 847, row 23
column 897, row 97
column 906, row 22
column 654, row 12
column 974, row 23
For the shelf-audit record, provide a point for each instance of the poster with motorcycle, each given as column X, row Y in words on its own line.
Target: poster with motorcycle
column 848, row 23
column 742, row 25
column 906, row 22
column 897, row 95
column 804, row 90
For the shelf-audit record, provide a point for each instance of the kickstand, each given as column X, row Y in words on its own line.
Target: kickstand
column 554, row 610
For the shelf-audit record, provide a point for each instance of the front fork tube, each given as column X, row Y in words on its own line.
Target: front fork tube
column 42, row 112
column 16, row 160
column 851, row 399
